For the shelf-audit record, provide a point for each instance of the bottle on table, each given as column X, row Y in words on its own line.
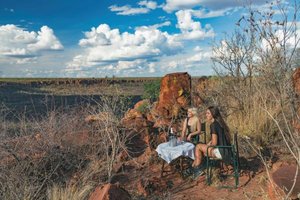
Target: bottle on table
column 172, row 138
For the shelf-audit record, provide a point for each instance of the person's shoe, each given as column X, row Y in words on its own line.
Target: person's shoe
column 187, row 172
column 197, row 173
column 203, row 166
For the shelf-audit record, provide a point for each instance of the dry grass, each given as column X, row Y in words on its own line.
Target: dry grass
column 70, row 192
column 54, row 157
column 256, row 88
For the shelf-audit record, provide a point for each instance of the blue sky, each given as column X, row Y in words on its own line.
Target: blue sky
column 98, row 38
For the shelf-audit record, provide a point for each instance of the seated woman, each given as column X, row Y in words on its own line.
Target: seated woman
column 191, row 128
column 219, row 136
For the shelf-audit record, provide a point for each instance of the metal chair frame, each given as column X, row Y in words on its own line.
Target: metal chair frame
column 210, row 162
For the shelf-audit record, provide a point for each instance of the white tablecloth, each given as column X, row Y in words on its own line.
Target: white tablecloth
column 168, row 153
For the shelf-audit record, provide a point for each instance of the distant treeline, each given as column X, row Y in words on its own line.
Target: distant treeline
column 74, row 81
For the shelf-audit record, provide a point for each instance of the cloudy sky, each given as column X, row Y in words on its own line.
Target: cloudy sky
column 98, row 38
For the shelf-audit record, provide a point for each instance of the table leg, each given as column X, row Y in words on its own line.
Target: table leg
column 162, row 168
column 181, row 164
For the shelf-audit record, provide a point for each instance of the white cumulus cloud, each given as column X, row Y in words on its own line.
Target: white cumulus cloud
column 19, row 43
column 196, row 62
column 45, row 40
column 200, row 56
column 190, row 29
column 109, row 49
column 145, row 42
column 145, row 7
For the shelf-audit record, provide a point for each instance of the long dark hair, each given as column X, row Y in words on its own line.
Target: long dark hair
column 215, row 112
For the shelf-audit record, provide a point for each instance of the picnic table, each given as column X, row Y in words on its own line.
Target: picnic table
column 170, row 154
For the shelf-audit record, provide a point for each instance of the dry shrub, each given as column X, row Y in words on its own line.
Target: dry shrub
column 40, row 158
column 255, row 67
column 112, row 136
column 70, row 192
column 60, row 156
column 254, row 81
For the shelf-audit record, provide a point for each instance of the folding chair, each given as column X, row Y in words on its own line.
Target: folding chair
column 234, row 160
column 203, row 132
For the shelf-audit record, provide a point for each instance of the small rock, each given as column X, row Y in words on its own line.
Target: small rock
column 110, row 192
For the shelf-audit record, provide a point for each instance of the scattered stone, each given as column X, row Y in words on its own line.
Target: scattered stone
column 110, row 192
column 154, row 185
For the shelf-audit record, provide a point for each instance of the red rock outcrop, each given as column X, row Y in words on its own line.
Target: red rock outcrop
column 281, row 182
column 110, row 192
column 136, row 118
column 174, row 97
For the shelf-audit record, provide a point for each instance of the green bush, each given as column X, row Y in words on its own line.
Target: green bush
column 151, row 90
column 144, row 108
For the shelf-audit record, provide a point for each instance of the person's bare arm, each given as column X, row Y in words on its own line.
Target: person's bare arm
column 214, row 139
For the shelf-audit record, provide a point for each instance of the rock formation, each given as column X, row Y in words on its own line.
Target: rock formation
column 282, row 180
column 174, row 98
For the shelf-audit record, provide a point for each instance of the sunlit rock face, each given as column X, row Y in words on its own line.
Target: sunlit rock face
column 174, row 98
column 136, row 118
